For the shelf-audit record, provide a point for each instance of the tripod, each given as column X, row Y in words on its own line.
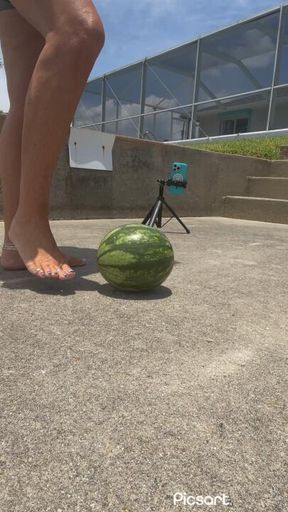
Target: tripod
column 155, row 214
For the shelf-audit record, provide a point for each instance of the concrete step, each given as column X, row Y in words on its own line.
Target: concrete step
column 256, row 208
column 271, row 187
column 280, row 171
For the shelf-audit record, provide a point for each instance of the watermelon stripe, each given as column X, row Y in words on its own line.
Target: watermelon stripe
column 139, row 266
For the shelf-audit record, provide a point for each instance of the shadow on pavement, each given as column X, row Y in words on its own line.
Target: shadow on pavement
column 23, row 280
column 162, row 292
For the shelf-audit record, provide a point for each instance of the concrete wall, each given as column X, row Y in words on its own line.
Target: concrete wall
column 131, row 189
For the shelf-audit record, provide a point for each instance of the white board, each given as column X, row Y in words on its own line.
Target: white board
column 91, row 149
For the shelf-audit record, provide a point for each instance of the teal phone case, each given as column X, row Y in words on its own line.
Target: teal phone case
column 179, row 172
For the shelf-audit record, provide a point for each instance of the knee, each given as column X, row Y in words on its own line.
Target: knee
column 92, row 35
column 96, row 35
column 86, row 38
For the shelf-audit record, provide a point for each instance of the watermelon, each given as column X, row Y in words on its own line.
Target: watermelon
column 135, row 257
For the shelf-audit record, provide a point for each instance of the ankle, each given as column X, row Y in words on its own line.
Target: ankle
column 6, row 237
column 31, row 217
column 9, row 246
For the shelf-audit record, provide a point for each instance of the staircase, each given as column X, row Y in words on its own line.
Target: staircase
column 265, row 199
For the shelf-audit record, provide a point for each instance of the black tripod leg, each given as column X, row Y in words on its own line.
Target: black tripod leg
column 159, row 216
column 155, row 213
column 176, row 216
column 148, row 216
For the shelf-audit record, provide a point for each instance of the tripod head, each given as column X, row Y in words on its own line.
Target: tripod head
column 177, row 176
column 174, row 183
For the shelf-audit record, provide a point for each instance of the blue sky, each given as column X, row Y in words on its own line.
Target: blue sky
column 135, row 30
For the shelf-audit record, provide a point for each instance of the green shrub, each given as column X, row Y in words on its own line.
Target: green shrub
column 268, row 148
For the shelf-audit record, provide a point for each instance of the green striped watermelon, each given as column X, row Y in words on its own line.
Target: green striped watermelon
column 135, row 257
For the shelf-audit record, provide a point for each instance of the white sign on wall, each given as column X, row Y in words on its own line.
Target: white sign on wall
column 91, row 149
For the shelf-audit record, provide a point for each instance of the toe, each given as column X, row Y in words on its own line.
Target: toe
column 47, row 271
column 36, row 271
column 69, row 272
column 40, row 273
column 66, row 272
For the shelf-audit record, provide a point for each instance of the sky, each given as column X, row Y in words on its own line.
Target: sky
column 135, row 30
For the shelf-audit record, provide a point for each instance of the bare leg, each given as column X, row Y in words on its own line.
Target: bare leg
column 73, row 39
column 21, row 46
column 10, row 164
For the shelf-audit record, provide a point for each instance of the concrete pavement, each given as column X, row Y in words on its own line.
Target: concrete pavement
column 114, row 402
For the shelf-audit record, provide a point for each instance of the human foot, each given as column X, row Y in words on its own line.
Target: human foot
column 38, row 250
column 11, row 260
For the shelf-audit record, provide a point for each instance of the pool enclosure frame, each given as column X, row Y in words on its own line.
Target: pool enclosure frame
column 141, row 124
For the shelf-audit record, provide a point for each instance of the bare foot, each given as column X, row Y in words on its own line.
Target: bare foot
column 38, row 250
column 10, row 258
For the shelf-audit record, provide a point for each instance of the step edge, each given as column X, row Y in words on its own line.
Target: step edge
column 267, row 178
column 252, row 198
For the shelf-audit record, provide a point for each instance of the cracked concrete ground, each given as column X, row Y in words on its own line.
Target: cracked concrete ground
column 115, row 402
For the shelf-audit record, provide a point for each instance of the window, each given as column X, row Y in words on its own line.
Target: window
column 234, row 126
column 234, row 122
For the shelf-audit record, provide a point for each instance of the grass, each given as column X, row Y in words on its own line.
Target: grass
column 268, row 148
